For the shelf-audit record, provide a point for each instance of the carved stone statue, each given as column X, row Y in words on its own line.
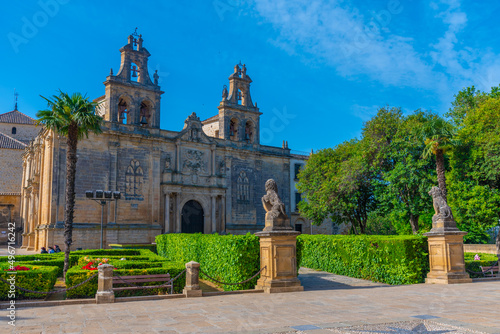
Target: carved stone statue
column 276, row 218
column 167, row 163
column 443, row 216
column 224, row 93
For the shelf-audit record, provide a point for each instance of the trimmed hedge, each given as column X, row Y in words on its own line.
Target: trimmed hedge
column 388, row 259
column 75, row 275
column 228, row 258
column 39, row 278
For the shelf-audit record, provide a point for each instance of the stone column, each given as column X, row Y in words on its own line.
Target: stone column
column 214, row 221
column 105, row 293
column 192, row 288
column 178, row 222
column 168, row 229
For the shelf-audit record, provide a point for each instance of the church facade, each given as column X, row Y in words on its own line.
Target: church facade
column 208, row 177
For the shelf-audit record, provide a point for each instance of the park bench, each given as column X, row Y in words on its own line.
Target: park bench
column 141, row 279
column 489, row 270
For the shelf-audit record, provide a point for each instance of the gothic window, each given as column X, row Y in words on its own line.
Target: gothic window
column 14, row 130
column 134, row 179
column 243, row 188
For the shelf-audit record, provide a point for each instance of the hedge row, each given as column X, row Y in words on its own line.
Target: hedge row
column 76, row 275
column 38, row 278
column 388, row 259
column 227, row 258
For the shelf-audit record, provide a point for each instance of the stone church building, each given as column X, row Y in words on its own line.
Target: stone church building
column 208, row 177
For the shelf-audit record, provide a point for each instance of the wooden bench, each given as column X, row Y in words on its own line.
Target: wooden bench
column 489, row 270
column 141, row 279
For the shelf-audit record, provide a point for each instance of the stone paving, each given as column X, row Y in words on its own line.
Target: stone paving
column 329, row 304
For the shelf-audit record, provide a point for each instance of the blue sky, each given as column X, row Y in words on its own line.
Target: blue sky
column 319, row 68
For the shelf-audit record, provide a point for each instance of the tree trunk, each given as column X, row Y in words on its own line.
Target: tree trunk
column 71, row 159
column 440, row 173
column 414, row 223
column 498, row 245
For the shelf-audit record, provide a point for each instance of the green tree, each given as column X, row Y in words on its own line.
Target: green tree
column 336, row 183
column 71, row 116
column 403, row 178
column 475, row 163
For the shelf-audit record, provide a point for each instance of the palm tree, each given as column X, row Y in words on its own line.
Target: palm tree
column 438, row 135
column 71, row 116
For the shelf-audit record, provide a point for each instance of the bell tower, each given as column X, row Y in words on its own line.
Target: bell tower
column 239, row 117
column 131, row 97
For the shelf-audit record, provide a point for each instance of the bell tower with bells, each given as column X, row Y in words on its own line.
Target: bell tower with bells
column 239, row 117
column 131, row 97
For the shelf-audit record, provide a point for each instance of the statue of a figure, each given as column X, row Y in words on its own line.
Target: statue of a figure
column 167, row 162
column 224, row 93
column 156, row 77
column 276, row 217
column 441, row 208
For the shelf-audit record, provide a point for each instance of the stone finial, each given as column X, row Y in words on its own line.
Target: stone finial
column 276, row 217
column 111, row 72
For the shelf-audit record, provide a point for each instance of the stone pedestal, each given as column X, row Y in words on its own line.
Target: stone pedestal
column 192, row 288
column 446, row 254
column 105, row 293
column 278, row 255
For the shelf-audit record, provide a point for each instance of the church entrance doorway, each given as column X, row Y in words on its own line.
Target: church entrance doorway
column 192, row 218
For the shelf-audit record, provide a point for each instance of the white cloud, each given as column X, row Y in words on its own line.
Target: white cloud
column 358, row 44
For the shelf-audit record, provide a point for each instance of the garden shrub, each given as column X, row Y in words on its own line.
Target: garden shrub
column 38, row 278
column 388, row 259
column 227, row 258
column 486, row 260
column 76, row 275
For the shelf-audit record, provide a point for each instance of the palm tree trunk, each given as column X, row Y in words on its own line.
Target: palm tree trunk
column 71, row 158
column 440, row 173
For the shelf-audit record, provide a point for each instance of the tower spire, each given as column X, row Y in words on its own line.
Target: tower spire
column 15, row 99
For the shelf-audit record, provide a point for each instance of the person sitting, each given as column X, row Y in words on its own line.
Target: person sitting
column 44, row 251
column 51, row 250
column 57, row 248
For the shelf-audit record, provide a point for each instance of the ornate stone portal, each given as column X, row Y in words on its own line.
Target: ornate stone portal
column 277, row 246
column 446, row 250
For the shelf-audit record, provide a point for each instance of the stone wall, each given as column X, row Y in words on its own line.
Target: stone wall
column 11, row 171
column 211, row 128
column 9, row 212
column 24, row 132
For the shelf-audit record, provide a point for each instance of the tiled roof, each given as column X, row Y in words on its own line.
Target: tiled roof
column 16, row 117
column 10, row 143
column 211, row 119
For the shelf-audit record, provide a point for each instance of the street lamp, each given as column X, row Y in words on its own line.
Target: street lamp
column 102, row 197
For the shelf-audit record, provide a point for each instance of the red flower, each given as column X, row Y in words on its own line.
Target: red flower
column 18, row 268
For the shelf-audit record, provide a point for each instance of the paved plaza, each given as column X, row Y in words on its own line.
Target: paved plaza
column 329, row 304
